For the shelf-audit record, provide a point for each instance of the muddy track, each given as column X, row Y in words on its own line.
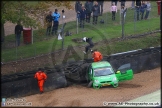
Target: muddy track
column 79, row 95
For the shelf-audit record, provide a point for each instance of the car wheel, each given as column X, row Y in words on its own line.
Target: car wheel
column 96, row 87
column 115, row 85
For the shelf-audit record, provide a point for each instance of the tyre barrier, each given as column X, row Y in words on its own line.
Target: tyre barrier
column 23, row 84
column 140, row 60
column 19, row 85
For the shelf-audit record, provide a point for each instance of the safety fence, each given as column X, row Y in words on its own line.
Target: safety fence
column 22, row 84
column 109, row 29
column 33, row 63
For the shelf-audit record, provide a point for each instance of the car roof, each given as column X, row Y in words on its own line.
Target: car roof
column 100, row 64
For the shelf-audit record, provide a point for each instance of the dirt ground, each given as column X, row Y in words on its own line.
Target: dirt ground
column 78, row 95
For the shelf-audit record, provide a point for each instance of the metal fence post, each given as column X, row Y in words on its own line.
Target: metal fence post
column 62, row 33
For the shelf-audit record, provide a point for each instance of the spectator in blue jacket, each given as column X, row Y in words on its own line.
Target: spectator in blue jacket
column 82, row 16
column 142, row 9
column 56, row 17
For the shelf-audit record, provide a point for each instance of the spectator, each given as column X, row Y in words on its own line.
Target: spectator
column 96, row 10
column 88, row 7
column 82, row 17
column 49, row 23
column 18, row 30
column 138, row 5
column 142, row 10
column 90, row 44
column 100, row 3
column 78, row 8
column 114, row 1
column 148, row 9
column 41, row 78
column 56, row 17
column 113, row 10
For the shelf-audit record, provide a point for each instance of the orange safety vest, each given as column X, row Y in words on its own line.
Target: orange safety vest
column 97, row 56
column 40, row 76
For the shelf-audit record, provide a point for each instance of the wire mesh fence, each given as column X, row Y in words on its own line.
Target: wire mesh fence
column 132, row 22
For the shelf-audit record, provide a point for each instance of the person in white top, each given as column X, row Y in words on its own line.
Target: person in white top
column 148, row 9
column 113, row 10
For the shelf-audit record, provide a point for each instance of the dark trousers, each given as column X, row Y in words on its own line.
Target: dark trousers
column 88, row 47
column 101, row 8
column 142, row 14
column 113, row 15
column 137, row 11
column 82, row 23
column 18, row 39
column 78, row 17
column 95, row 18
column 88, row 17
column 48, row 31
column 55, row 27
column 147, row 14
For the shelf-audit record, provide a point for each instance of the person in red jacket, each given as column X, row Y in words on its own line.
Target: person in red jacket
column 41, row 77
column 97, row 56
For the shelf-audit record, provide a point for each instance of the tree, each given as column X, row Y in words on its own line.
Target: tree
column 31, row 14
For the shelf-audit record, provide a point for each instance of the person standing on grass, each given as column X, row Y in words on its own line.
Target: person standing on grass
column 88, row 7
column 18, row 30
column 78, row 8
column 49, row 23
column 142, row 10
column 113, row 10
column 148, row 9
column 100, row 3
column 138, row 5
column 96, row 10
column 82, row 17
column 56, row 17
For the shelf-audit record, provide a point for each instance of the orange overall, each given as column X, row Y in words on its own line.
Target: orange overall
column 41, row 77
column 97, row 56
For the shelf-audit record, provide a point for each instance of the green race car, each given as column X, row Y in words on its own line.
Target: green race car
column 102, row 74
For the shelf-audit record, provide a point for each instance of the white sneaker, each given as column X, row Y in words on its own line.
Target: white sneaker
column 84, row 52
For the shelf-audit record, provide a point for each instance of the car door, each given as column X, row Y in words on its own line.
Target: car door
column 124, row 72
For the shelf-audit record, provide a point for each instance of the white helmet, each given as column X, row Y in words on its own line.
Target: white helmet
column 84, row 39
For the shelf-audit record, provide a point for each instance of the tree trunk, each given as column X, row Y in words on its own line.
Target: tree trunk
column 2, row 32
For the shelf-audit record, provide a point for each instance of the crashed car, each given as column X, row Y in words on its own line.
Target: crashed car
column 102, row 74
